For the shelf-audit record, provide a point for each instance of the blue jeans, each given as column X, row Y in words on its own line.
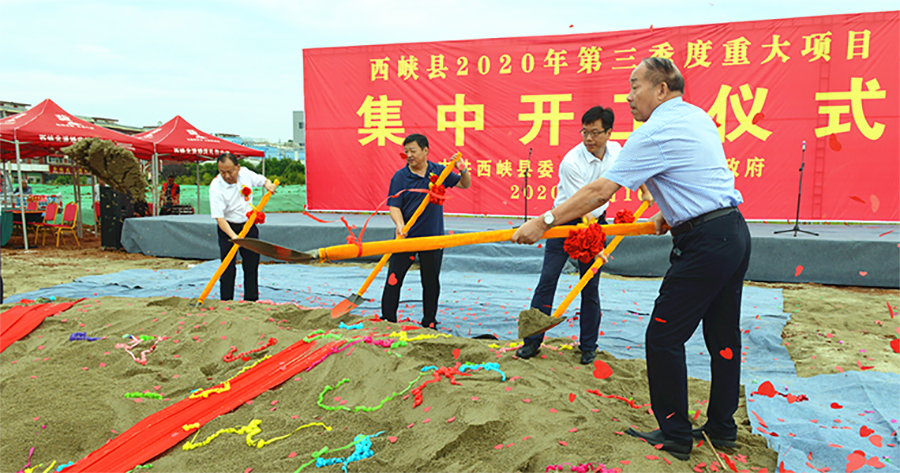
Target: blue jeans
column 555, row 258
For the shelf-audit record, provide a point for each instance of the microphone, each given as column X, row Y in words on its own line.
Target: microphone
column 804, row 145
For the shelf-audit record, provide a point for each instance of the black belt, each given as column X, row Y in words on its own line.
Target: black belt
column 697, row 221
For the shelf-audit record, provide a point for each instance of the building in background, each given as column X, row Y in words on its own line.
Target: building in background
column 299, row 129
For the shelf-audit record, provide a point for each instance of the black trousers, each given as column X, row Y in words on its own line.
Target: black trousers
column 430, row 264
column 249, row 263
column 704, row 283
column 555, row 258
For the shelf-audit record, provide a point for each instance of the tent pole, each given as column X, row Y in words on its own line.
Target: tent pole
column 21, row 195
column 154, row 179
column 7, row 182
column 198, row 188
column 76, row 179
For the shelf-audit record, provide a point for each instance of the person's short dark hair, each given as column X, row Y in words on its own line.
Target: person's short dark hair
column 420, row 140
column 228, row 156
column 599, row 113
column 664, row 70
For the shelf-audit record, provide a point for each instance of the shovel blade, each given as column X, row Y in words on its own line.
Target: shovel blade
column 345, row 306
column 533, row 322
column 274, row 251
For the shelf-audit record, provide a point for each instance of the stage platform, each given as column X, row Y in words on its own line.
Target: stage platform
column 849, row 255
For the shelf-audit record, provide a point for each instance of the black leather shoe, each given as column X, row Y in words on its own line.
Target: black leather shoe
column 678, row 450
column 587, row 357
column 528, row 350
column 716, row 441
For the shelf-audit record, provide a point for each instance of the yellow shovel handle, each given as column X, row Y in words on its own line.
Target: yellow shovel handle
column 342, row 252
column 595, row 268
column 234, row 248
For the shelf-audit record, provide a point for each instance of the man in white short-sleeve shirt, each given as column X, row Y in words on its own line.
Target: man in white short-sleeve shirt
column 230, row 199
column 583, row 164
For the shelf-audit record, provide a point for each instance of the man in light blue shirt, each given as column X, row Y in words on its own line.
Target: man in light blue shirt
column 678, row 154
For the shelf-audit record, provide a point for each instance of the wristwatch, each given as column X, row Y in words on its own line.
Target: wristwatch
column 548, row 218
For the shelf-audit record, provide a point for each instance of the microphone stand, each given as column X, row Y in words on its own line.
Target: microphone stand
column 799, row 193
column 525, row 188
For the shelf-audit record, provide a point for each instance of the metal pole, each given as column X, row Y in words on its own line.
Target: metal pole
column 7, row 183
column 21, row 194
column 76, row 179
column 154, row 181
column 525, row 189
column 198, row 188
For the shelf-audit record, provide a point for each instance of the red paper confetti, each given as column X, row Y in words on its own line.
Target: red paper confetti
column 876, row 440
column 875, row 202
column 853, row 197
column 865, row 431
column 602, row 370
column 835, row 405
column 726, row 353
column 758, row 117
column 571, row 397
column 798, row 270
column 392, row 279
column 856, row 460
column 659, row 320
column 895, row 345
column 890, row 309
column 863, row 273
column 456, row 354
column 833, row 143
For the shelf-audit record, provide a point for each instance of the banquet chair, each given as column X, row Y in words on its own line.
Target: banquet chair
column 49, row 219
column 70, row 215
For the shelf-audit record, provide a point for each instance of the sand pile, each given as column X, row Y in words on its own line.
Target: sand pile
column 116, row 166
column 67, row 398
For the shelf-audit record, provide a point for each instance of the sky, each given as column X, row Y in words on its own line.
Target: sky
column 234, row 66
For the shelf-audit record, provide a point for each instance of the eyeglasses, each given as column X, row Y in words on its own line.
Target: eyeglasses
column 592, row 134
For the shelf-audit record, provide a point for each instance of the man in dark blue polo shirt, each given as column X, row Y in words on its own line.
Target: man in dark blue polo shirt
column 417, row 175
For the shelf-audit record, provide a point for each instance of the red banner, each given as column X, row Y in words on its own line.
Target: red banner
column 831, row 81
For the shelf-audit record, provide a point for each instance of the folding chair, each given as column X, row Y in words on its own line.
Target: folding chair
column 70, row 214
column 31, row 206
column 49, row 219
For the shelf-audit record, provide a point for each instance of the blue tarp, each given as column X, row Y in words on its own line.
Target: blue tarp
column 474, row 304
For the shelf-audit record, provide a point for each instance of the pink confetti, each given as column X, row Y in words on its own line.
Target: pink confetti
column 451, row 419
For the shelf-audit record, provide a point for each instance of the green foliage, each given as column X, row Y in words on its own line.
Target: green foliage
column 288, row 171
column 66, row 180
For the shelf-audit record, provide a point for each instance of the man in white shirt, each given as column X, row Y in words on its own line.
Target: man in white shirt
column 585, row 163
column 229, row 204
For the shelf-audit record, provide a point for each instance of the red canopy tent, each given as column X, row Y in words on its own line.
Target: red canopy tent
column 178, row 140
column 45, row 128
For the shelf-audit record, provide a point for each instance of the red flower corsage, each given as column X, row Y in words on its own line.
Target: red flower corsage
column 436, row 191
column 586, row 243
column 624, row 216
column 246, row 191
column 260, row 216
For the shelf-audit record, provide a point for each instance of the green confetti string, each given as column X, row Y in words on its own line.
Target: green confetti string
column 143, row 395
column 361, row 408
column 321, row 334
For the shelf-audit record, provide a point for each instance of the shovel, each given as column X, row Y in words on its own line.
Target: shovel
column 409, row 245
column 534, row 322
column 354, row 300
